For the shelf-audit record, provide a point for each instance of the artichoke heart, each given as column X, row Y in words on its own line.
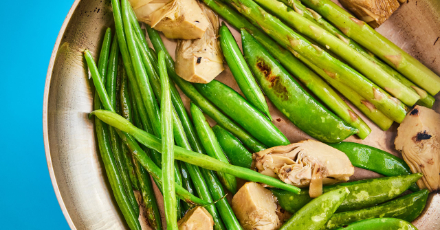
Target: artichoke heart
column 305, row 163
column 418, row 139
column 200, row 60
column 373, row 12
column 177, row 19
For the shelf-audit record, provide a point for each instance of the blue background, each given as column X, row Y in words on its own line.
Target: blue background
column 28, row 33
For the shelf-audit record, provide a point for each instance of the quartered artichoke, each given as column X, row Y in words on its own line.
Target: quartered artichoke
column 177, row 19
column 418, row 139
column 373, row 12
column 200, row 60
column 306, row 163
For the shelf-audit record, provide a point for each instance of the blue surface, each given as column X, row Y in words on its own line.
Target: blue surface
column 28, row 33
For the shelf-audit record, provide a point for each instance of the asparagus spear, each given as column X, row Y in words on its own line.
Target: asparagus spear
column 425, row 98
column 360, row 102
column 285, row 36
column 312, row 81
column 366, row 36
column 343, row 50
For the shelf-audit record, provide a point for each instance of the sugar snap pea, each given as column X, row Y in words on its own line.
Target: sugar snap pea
column 241, row 71
column 406, row 208
column 191, row 157
column 200, row 101
column 169, row 194
column 212, row 147
column 373, row 159
column 237, row 154
column 236, row 107
column 103, row 138
column 288, row 96
column 363, row 193
column 380, row 224
column 130, row 141
column 316, row 213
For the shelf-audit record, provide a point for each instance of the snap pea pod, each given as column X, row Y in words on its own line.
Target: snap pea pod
column 288, row 96
column 110, row 84
column 200, row 101
column 125, row 111
column 191, row 157
column 130, row 141
column 380, row 224
column 373, row 159
column 103, row 139
column 363, row 193
column 169, row 194
column 309, row 78
column 316, row 213
column 211, row 146
column 145, row 184
column 241, row 71
column 407, row 208
column 236, row 107
column 237, row 154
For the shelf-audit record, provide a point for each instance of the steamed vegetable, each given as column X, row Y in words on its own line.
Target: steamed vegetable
column 236, row 107
column 305, row 163
column 418, row 140
column 181, row 154
column 406, row 208
column 317, row 212
column 169, row 194
column 355, row 59
column 237, row 154
column 340, row 71
column 103, row 138
column 255, row 207
column 295, row 103
column 377, row 44
column 363, row 193
column 211, row 146
column 200, row 60
column 241, row 72
column 380, row 224
column 177, row 19
column 373, row 159
column 312, row 81
column 200, row 101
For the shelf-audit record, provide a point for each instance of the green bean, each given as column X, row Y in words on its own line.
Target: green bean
column 241, row 72
column 188, row 185
column 103, row 137
column 191, row 157
column 169, row 196
column 200, row 101
column 125, row 111
column 145, row 185
column 114, row 139
column 185, row 128
column 232, row 147
column 212, row 147
column 236, row 107
column 141, row 74
column 130, row 141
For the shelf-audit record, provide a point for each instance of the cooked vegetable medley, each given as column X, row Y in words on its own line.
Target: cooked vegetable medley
column 296, row 55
